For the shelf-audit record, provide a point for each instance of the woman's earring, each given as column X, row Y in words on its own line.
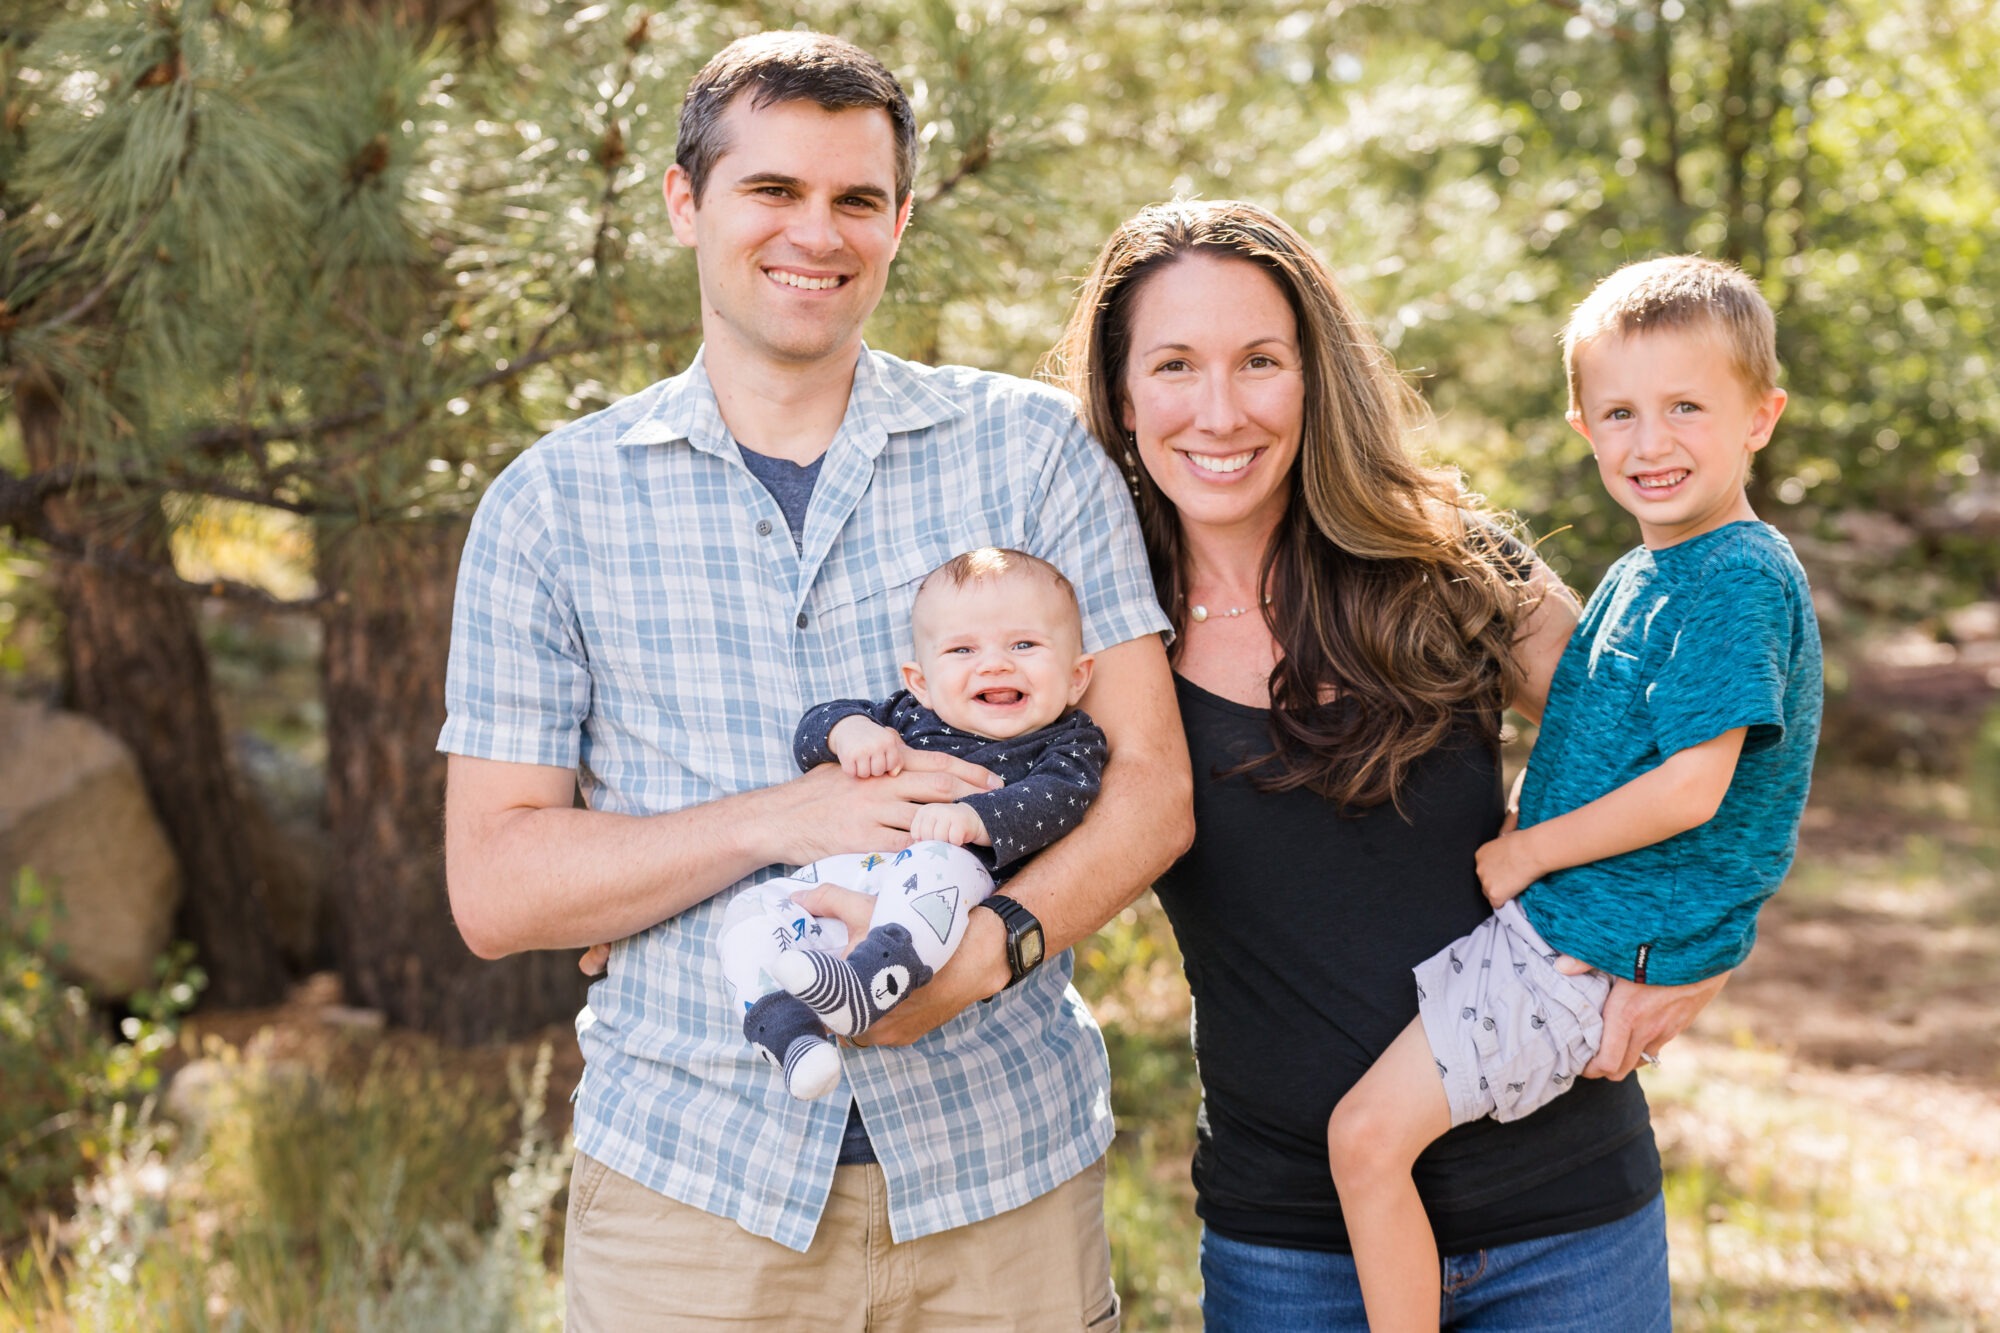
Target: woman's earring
column 1131, row 448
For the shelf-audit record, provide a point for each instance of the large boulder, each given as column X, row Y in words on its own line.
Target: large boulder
column 73, row 810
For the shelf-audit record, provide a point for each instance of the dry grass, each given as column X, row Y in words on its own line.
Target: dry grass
column 1831, row 1132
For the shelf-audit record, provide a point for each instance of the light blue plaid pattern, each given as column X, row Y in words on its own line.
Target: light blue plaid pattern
column 630, row 604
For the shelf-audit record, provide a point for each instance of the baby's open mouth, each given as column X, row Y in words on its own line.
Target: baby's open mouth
column 999, row 698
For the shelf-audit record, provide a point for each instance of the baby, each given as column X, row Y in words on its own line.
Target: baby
column 1661, row 804
column 999, row 666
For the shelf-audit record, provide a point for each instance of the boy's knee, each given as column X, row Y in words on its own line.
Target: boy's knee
column 1359, row 1135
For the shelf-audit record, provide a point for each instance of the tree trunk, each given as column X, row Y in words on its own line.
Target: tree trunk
column 388, row 632
column 135, row 663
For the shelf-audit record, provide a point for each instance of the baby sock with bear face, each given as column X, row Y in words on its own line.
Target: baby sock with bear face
column 791, row 1036
column 849, row 994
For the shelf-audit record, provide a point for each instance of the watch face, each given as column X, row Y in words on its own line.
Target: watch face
column 1031, row 950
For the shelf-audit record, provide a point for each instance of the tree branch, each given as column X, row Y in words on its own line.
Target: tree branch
column 971, row 162
column 210, row 441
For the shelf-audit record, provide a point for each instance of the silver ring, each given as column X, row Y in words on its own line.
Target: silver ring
column 1649, row 1058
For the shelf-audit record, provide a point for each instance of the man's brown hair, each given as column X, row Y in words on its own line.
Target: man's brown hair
column 771, row 68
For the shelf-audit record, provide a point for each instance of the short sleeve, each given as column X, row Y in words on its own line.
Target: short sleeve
column 518, row 685
column 1082, row 522
column 1727, row 666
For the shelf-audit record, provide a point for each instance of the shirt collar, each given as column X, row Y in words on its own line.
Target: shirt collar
column 889, row 396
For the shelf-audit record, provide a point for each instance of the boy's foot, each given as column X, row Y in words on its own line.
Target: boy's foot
column 790, row 1036
column 850, row 993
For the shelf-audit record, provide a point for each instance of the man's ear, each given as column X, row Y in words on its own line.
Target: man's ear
column 1764, row 419
column 678, row 188
column 913, row 681
column 1079, row 677
column 903, row 214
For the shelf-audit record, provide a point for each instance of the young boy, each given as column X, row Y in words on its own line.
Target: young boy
column 1661, row 804
column 999, row 668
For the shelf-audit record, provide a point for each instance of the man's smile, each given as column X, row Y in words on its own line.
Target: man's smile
column 805, row 281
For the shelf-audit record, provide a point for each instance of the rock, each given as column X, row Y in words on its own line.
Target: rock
column 205, row 1090
column 74, row 810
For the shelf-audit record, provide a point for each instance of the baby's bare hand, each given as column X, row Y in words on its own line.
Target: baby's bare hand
column 953, row 823
column 866, row 749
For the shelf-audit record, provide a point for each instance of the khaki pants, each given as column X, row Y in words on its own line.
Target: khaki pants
column 636, row 1260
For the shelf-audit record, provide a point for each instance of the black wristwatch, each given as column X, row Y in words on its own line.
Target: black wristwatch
column 1024, row 935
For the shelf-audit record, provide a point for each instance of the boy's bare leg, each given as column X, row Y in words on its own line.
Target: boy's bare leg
column 1373, row 1139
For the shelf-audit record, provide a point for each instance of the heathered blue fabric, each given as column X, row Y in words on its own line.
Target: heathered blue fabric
column 1676, row 647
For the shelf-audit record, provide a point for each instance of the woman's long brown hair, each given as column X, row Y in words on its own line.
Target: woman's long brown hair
column 1390, row 590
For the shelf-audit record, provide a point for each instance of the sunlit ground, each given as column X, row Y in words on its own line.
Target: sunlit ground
column 1831, row 1132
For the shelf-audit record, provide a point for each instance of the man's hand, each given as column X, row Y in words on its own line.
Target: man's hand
column 977, row 971
column 1640, row 1019
column 865, row 748
column 1507, row 865
column 835, row 902
column 827, row 811
column 955, row 823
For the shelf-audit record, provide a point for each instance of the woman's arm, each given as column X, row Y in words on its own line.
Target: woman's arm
column 1543, row 635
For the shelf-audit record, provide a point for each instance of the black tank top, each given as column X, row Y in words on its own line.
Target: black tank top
column 1299, row 925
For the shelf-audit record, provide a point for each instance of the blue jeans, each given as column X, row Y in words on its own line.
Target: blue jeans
column 1608, row 1277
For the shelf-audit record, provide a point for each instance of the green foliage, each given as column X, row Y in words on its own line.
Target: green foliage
column 387, row 264
column 63, row 1070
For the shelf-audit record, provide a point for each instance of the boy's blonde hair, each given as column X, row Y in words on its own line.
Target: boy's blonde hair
column 1678, row 292
column 992, row 563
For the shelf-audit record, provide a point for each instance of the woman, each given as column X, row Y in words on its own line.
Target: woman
column 1349, row 627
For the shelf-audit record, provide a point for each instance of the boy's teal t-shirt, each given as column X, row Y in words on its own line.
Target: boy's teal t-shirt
column 1675, row 647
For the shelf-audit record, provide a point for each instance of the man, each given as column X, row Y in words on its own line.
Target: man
column 649, row 599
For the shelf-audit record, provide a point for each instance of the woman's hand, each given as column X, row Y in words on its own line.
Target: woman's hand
column 595, row 959
column 1640, row 1019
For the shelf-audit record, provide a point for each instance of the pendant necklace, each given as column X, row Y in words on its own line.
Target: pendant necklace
column 1199, row 613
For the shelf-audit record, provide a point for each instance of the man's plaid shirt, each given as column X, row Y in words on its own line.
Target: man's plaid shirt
column 631, row 605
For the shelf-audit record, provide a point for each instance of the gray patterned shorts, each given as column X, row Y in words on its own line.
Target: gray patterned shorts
column 1509, row 1033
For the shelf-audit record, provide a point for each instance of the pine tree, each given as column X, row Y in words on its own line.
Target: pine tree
column 346, row 270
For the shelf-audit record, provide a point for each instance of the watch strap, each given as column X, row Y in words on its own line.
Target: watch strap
column 1019, row 922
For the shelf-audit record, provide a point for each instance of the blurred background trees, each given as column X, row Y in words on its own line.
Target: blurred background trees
column 283, row 286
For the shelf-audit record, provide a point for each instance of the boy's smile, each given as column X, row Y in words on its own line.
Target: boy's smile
column 1672, row 425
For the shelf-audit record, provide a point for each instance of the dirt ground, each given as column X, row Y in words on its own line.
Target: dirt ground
column 1882, row 952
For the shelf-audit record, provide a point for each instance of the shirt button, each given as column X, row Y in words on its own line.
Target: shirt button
column 763, row 527
column 802, row 620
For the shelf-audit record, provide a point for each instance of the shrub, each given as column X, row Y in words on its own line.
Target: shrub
column 63, row 1067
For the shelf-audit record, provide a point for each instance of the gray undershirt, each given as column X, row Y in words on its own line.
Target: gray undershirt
column 789, row 484
column 792, row 487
